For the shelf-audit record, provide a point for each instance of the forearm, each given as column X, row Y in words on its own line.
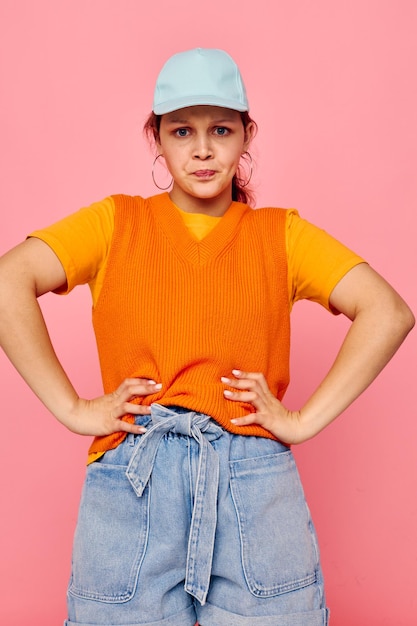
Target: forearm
column 25, row 340
column 368, row 346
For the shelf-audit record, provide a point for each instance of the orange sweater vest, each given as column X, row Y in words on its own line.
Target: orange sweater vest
column 185, row 312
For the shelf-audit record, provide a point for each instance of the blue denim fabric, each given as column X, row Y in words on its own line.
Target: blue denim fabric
column 191, row 522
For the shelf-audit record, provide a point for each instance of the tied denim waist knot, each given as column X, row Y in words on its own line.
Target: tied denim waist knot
column 204, row 515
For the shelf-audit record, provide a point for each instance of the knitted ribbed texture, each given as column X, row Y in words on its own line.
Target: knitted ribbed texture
column 188, row 311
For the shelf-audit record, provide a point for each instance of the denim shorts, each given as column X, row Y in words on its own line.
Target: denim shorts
column 189, row 522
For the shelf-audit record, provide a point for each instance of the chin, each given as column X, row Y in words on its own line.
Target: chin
column 210, row 193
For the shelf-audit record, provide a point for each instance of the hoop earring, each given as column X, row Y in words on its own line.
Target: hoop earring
column 153, row 175
column 240, row 180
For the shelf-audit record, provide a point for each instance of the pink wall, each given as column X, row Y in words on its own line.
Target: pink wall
column 333, row 87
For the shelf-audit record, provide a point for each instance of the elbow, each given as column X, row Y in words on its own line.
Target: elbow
column 409, row 320
column 391, row 319
column 402, row 319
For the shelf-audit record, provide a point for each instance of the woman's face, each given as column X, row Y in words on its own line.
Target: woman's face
column 202, row 146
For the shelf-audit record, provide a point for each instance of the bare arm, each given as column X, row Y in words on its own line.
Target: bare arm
column 26, row 272
column 380, row 322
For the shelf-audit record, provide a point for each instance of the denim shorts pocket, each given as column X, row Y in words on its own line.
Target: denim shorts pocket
column 278, row 542
column 111, row 536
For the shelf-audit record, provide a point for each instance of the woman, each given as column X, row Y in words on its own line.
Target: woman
column 192, row 506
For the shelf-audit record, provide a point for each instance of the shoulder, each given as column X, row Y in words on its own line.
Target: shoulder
column 269, row 212
column 121, row 200
column 273, row 219
column 268, row 215
column 134, row 207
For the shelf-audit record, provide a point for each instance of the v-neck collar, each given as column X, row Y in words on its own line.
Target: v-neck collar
column 196, row 252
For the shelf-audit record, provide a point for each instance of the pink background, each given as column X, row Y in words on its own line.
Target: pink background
column 332, row 86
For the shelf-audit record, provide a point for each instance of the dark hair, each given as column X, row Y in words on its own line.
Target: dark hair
column 240, row 192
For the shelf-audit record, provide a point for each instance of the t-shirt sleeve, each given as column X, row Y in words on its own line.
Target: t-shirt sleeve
column 82, row 242
column 316, row 261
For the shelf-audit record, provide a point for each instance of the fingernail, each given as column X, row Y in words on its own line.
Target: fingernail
column 225, row 380
column 236, row 372
column 152, row 382
column 227, row 393
column 141, row 430
column 158, row 386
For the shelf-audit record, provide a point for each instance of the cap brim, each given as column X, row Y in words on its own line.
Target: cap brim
column 189, row 101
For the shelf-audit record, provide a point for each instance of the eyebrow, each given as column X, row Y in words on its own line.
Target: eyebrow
column 176, row 120
column 179, row 120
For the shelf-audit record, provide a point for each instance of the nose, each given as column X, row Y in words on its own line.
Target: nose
column 202, row 148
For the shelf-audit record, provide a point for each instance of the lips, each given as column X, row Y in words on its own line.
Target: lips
column 204, row 173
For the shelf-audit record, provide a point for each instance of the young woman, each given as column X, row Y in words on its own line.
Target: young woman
column 192, row 507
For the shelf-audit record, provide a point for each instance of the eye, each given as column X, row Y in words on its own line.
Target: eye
column 182, row 132
column 221, row 131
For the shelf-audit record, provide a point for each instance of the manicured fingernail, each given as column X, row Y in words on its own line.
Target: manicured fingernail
column 152, row 382
column 225, row 380
column 236, row 372
column 141, row 430
column 227, row 393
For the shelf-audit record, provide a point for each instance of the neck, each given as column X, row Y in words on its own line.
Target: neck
column 215, row 207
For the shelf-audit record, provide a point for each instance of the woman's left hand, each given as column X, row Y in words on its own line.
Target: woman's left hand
column 380, row 322
column 269, row 412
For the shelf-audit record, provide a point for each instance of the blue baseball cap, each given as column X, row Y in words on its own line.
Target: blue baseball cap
column 199, row 76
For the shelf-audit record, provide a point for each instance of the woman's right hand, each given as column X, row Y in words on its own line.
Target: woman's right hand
column 26, row 272
column 102, row 415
